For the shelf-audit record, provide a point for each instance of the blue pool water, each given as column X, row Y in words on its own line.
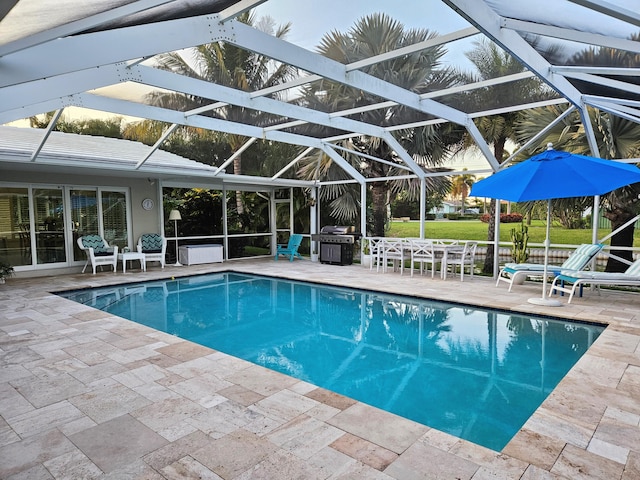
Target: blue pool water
column 474, row 373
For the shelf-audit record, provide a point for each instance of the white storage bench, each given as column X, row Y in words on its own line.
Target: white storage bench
column 196, row 254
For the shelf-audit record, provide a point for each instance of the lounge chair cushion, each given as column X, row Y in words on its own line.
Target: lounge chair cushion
column 576, row 260
column 151, row 243
column 96, row 242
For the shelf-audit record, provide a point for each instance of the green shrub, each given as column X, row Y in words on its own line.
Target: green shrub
column 504, row 218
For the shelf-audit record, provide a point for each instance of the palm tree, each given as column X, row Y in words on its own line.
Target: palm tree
column 492, row 62
column 461, row 186
column 419, row 72
column 230, row 66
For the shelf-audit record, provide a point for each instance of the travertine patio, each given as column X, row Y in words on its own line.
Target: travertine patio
column 84, row 394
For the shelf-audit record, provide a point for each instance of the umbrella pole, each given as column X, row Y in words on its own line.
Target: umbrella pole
column 548, row 302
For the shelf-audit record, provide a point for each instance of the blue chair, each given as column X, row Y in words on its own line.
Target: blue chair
column 291, row 248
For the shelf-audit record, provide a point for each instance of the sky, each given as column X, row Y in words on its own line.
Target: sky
column 318, row 17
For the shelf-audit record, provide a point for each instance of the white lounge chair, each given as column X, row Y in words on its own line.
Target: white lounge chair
column 630, row 277
column 98, row 252
column 578, row 260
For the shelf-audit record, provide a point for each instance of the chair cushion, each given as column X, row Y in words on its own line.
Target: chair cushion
column 104, row 252
column 151, row 243
column 97, row 243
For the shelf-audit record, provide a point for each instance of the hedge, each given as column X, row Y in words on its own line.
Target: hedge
column 504, row 218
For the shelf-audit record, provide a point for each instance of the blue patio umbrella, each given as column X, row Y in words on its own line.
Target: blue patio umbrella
column 555, row 174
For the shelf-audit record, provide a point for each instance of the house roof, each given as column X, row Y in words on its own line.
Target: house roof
column 111, row 157
column 56, row 54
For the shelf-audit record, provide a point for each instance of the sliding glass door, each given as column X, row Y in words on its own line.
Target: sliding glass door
column 40, row 225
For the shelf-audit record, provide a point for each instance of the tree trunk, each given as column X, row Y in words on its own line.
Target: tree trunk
column 624, row 238
column 379, row 201
column 488, row 259
column 237, row 170
column 498, row 152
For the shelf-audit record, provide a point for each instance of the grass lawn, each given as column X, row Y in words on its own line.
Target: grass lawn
column 476, row 230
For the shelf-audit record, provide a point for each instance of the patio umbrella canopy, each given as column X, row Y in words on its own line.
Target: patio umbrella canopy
column 555, row 174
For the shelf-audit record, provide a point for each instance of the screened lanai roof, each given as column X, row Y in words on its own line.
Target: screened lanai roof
column 60, row 55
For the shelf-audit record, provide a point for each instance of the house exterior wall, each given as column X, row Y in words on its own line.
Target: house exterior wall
column 140, row 220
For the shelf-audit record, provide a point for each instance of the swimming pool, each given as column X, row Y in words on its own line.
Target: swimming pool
column 475, row 373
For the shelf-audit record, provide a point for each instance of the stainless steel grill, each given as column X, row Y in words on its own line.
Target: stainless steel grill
column 336, row 244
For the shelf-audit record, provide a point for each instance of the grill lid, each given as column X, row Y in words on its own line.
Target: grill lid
column 337, row 229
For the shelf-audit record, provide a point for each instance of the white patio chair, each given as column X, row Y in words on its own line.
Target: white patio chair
column 98, row 252
column 463, row 258
column 422, row 252
column 154, row 247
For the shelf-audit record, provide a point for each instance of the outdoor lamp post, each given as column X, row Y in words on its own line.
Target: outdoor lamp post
column 175, row 216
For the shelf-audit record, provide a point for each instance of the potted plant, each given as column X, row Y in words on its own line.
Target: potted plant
column 6, row 271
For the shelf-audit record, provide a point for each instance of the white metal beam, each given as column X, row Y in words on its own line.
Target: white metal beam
column 611, row 10
column 79, row 25
column 586, row 38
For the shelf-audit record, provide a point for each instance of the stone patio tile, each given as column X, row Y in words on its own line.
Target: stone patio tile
column 241, row 395
column 73, row 465
column 632, row 468
column 578, row 464
column 97, row 371
column 546, row 423
column 535, row 448
column 234, row 454
column 136, row 376
column 137, row 470
column 193, row 368
column 603, row 371
column 45, row 418
column 282, row 466
column 202, row 390
column 167, row 414
column 46, row 391
column 37, row 472
column 536, row 473
column 25, row 454
column 619, row 415
column 12, row 403
column 439, row 439
column 284, row 405
column 421, row 461
column 304, row 436
column 223, row 419
column 389, row 431
column 364, row 451
column 174, row 451
column 619, row 434
column 263, row 382
column 117, row 442
column 630, row 381
column 331, row 398
column 107, row 403
column 184, row 351
column 10, row 373
column 331, row 461
column 188, row 469
column 492, row 463
column 607, row 450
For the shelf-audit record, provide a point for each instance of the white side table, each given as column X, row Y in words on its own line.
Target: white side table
column 125, row 257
